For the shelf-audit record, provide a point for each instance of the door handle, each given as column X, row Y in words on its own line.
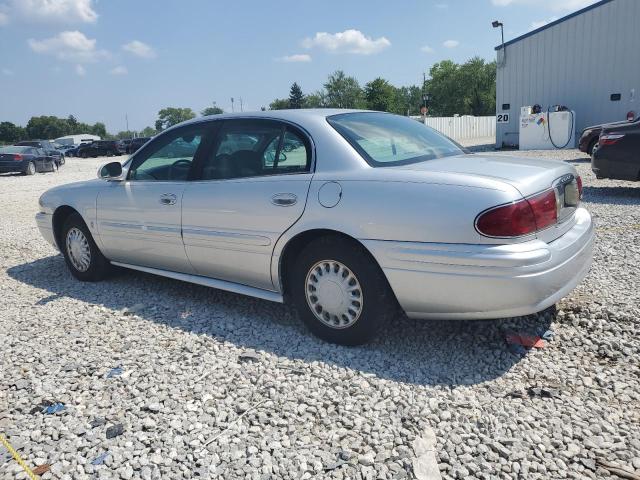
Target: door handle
column 168, row 199
column 284, row 199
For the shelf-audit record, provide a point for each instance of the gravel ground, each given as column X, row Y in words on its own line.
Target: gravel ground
column 215, row 385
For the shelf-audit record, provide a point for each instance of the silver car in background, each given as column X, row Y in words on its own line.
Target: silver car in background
column 346, row 214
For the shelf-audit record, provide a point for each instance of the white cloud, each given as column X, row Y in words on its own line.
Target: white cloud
column 349, row 41
column 70, row 46
column 556, row 5
column 63, row 11
column 450, row 43
column 119, row 70
column 427, row 49
column 80, row 70
column 542, row 23
column 139, row 49
column 296, row 58
column 7, row 71
column 4, row 19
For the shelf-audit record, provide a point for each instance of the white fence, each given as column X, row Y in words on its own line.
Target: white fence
column 463, row 127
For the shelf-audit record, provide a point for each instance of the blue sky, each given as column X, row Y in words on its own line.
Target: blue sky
column 100, row 60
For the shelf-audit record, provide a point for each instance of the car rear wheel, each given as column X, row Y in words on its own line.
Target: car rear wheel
column 31, row 169
column 591, row 146
column 340, row 292
column 81, row 254
column 84, row 154
column 54, row 167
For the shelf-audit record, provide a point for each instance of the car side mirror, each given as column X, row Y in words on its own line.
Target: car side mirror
column 111, row 170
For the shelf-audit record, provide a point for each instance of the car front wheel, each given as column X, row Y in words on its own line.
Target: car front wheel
column 81, row 254
column 340, row 292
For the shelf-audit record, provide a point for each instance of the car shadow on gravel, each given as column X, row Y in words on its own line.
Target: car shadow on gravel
column 420, row 352
column 618, row 195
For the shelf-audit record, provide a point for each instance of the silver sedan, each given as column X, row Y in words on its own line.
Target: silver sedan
column 346, row 214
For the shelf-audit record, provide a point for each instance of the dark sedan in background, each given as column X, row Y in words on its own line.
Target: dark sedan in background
column 590, row 135
column 26, row 160
column 136, row 143
column 47, row 146
column 99, row 148
column 618, row 153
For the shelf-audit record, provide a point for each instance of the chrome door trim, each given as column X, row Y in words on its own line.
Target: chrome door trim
column 235, row 237
column 209, row 282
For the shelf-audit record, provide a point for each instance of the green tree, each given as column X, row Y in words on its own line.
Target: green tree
column 479, row 80
column 408, row 100
column 380, row 95
column 213, row 110
column 279, row 104
column 446, row 89
column 46, row 127
column 148, row 132
column 296, row 97
column 170, row 116
column 343, row 91
column 316, row 100
column 99, row 129
column 10, row 133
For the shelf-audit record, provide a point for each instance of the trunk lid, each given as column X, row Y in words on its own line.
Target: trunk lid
column 528, row 175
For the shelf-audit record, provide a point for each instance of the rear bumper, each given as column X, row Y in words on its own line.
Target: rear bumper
column 45, row 225
column 7, row 167
column 455, row 281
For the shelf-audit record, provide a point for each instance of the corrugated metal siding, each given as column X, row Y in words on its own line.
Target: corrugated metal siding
column 464, row 127
column 578, row 63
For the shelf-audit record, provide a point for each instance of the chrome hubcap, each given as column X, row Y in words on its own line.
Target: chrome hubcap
column 334, row 294
column 32, row 168
column 78, row 250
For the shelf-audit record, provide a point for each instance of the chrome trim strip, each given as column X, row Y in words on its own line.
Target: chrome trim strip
column 209, row 282
column 229, row 237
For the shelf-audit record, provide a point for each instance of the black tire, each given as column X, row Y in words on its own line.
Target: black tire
column 376, row 300
column 593, row 143
column 62, row 160
column 98, row 266
column 54, row 167
column 83, row 154
column 31, row 169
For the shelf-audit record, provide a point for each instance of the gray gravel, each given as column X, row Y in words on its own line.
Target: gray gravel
column 215, row 385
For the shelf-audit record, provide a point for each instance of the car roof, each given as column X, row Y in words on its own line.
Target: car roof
column 292, row 115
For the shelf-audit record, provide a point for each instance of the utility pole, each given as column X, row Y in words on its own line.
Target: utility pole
column 232, row 105
column 241, row 105
column 126, row 119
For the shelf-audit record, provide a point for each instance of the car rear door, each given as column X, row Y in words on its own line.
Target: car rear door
column 139, row 219
column 244, row 199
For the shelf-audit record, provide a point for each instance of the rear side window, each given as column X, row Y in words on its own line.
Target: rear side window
column 253, row 148
column 384, row 139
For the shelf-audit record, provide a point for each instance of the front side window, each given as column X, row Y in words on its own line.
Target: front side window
column 384, row 139
column 169, row 158
column 251, row 148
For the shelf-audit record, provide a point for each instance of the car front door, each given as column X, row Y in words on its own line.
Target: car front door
column 139, row 218
column 247, row 193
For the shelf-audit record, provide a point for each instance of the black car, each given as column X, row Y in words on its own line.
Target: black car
column 99, row 148
column 26, row 160
column 123, row 145
column 47, row 146
column 618, row 152
column 136, row 143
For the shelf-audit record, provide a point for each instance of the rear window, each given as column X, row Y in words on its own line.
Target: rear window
column 385, row 140
column 14, row 149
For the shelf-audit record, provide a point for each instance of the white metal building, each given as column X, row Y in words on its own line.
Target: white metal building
column 588, row 61
column 76, row 139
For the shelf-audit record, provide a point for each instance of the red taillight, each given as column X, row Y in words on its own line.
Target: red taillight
column 17, row 157
column 609, row 139
column 544, row 209
column 520, row 218
column 631, row 116
column 579, row 182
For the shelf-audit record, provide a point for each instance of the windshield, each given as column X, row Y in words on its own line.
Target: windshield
column 386, row 140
